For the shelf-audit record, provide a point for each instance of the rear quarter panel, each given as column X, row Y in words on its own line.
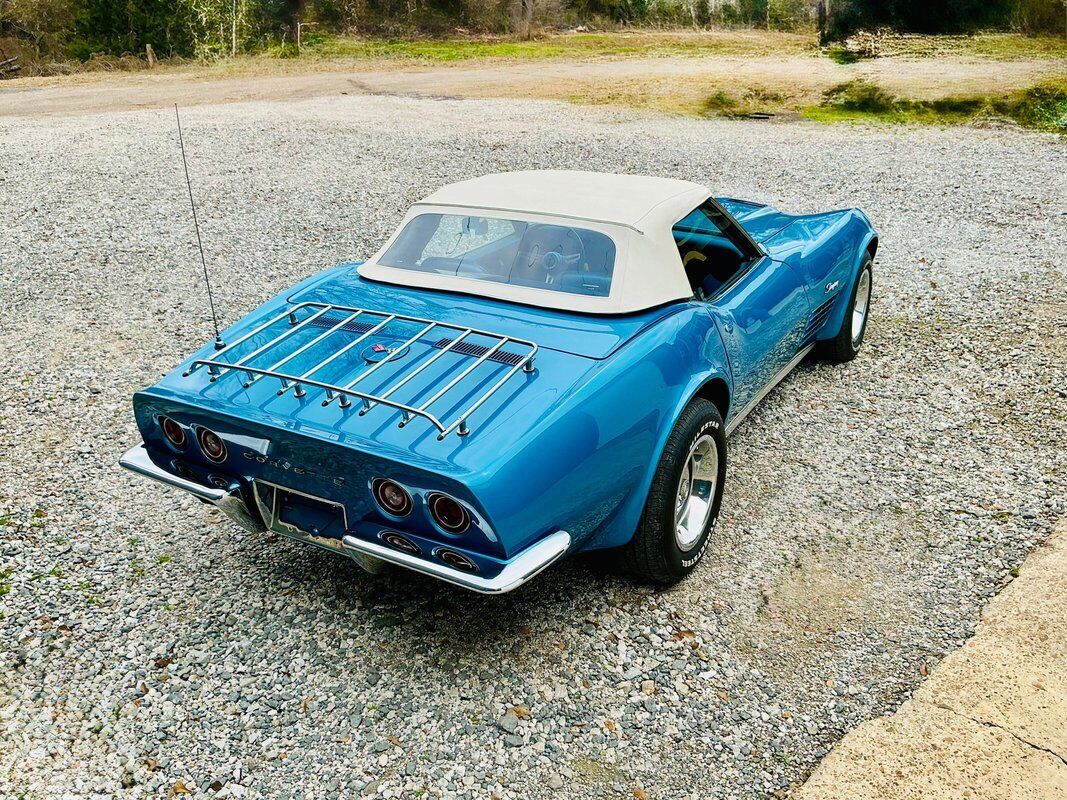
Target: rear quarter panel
column 617, row 427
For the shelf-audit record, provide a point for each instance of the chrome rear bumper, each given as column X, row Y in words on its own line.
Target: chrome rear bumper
column 228, row 501
column 516, row 572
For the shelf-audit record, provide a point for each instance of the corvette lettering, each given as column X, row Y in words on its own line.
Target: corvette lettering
column 294, row 468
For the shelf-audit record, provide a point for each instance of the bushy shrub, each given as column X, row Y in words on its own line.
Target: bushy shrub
column 859, row 95
column 945, row 16
column 1043, row 106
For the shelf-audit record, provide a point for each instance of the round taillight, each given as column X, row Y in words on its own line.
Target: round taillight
column 449, row 514
column 174, row 432
column 392, row 497
column 211, row 445
column 457, row 560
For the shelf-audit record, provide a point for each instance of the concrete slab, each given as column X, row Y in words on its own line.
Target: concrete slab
column 990, row 723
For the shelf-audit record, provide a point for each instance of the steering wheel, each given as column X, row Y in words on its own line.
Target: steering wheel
column 553, row 260
column 557, row 259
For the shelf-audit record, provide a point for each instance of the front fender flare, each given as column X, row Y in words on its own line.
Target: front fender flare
column 837, row 317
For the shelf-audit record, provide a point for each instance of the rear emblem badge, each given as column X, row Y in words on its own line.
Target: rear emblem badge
column 380, row 352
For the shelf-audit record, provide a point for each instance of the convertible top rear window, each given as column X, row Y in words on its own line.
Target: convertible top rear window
column 559, row 258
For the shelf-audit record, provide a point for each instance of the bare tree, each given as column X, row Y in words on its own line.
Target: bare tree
column 522, row 14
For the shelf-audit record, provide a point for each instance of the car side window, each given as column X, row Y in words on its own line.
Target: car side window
column 709, row 254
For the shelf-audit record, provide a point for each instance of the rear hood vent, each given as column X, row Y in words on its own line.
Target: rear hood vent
column 478, row 350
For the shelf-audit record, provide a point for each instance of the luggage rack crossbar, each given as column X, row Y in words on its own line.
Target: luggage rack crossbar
column 334, row 319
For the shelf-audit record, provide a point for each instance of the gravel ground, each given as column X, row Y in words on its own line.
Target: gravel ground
column 149, row 647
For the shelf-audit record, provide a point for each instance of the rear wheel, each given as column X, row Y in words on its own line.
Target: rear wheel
column 846, row 345
column 683, row 503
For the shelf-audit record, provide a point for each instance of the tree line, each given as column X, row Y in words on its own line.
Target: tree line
column 79, row 29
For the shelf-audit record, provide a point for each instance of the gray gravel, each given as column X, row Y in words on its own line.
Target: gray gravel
column 147, row 645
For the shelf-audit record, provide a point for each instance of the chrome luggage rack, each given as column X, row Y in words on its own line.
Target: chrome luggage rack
column 366, row 323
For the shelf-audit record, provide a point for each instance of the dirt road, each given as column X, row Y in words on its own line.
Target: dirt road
column 665, row 84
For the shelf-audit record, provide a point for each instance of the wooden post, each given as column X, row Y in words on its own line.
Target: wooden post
column 151, row 54
column 300, row 33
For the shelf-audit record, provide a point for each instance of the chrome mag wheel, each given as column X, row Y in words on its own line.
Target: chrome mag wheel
column 859, row 308
column 696, row 493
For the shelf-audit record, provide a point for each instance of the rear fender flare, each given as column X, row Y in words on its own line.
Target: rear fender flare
column 619, row 528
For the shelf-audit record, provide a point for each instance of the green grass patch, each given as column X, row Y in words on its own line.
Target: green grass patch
column 1041, row 107
column 859, row 95
column 1001, row 46
column 562, row 46
column 993, row 46
column 718, row 103
column 666, row 43
column 436, row 50
column 840, row 54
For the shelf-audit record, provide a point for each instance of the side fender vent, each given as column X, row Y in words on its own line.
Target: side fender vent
column 818, row 319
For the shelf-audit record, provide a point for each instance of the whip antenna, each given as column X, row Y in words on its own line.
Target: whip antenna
column 219, row 344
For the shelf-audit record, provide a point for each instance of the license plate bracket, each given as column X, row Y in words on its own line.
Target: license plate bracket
column 296, row 513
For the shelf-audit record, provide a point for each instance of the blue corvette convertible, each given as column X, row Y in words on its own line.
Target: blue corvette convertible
column 534, row 364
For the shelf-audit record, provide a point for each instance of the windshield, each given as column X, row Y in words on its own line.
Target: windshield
column 712, row 248
column 559, row 258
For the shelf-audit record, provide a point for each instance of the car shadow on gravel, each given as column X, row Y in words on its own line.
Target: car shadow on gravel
column 421, row 611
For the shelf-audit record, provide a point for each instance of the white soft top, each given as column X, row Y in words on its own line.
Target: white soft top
column 636, row 211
